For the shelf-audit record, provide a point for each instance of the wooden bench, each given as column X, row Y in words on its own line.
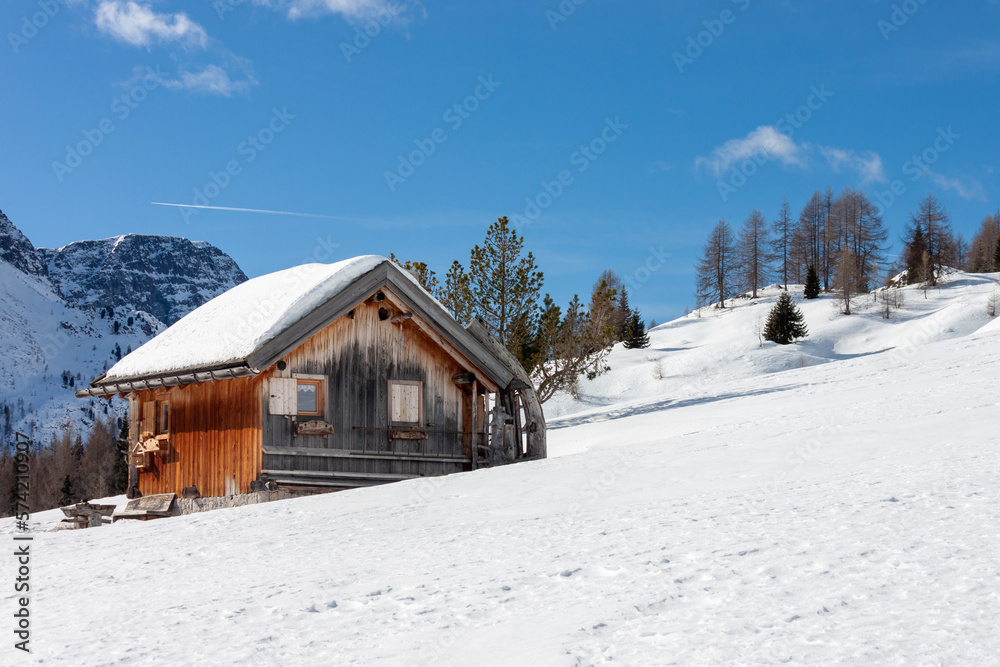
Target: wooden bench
column 85, row 515
column 149, row 507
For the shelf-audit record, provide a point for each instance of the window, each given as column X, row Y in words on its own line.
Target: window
column 309, row 397
column 155, row 418
column 299, row 395
column 405, row 402
column 163, row 417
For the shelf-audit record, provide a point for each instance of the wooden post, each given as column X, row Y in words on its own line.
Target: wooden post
column 486, row 425
column 519, row 452
column 475, row 435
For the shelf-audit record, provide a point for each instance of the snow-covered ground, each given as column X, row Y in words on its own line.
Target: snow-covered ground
column 829, row 502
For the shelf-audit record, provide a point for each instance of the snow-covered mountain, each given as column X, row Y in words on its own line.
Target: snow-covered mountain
column 68, row 314
column 710, row 501
column 165, row 276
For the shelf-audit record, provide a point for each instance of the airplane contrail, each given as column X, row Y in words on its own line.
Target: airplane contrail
column 254, row 210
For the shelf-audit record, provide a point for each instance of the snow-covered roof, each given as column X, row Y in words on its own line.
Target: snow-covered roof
column 230, row 327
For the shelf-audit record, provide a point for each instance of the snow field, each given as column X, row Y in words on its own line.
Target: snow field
column 766, row 513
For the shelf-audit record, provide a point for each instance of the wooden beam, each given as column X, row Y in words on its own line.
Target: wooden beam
column 463, row 378
column 353, row 454
column 342, row 475
column 475, row 434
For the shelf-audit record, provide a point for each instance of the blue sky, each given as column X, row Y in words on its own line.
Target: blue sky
column 631, row 127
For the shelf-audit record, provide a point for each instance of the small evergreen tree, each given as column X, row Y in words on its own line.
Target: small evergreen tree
column 812, row 283
column 636, row 337
column 67, row 496
column 785, row 323
column 118, row 482
column 624, row 315
column 913, row 255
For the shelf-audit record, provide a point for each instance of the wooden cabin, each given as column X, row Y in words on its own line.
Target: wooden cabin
column 319, row 378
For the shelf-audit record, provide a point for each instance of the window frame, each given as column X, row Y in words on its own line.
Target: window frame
column 420, row 402
column 319, row 381
column 161, row 405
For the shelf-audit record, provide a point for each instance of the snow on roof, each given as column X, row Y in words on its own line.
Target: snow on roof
column 233, row 325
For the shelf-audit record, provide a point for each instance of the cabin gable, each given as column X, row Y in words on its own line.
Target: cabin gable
column 375, row 362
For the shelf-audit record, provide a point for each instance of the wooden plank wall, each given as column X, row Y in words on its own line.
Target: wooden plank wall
column 359, row 355
column 215, row 438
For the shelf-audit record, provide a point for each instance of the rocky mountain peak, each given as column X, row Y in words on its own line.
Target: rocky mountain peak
column 166, row 276
column 17, row 250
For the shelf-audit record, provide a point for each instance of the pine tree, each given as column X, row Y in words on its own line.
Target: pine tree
column 624, row 313
column 455, row 295
column 751, row 249
column 716, row 267
column 913, row 255
column 934, row 219
column 602, row 319
column 812, row 283
column 420, row 272
column 996, row 256
column 504, row 283
column 781, row 246
column 67, row 497
column 785, row 323
column 636, row 338
column 118, row 481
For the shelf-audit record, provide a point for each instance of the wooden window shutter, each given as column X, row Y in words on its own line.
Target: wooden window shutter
column 148, row 417
column 282, row 395
column 404, row 402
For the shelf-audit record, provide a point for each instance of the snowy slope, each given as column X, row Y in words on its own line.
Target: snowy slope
column 712, row 345
column 841, row 512
column 48, row 348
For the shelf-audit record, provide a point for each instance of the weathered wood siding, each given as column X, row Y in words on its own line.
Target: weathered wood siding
column 359, row 356
column 215, row 437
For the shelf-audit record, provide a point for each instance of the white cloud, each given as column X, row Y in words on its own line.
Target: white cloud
column 139, row 25
column 348, row 8
column 765, row 141
column 868, row 164
column 966, row 189
column 212, row 80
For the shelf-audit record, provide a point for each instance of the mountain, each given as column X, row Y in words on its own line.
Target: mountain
column 711, row 501
column 16, row 249
column 68, row 314
column 164, row 276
